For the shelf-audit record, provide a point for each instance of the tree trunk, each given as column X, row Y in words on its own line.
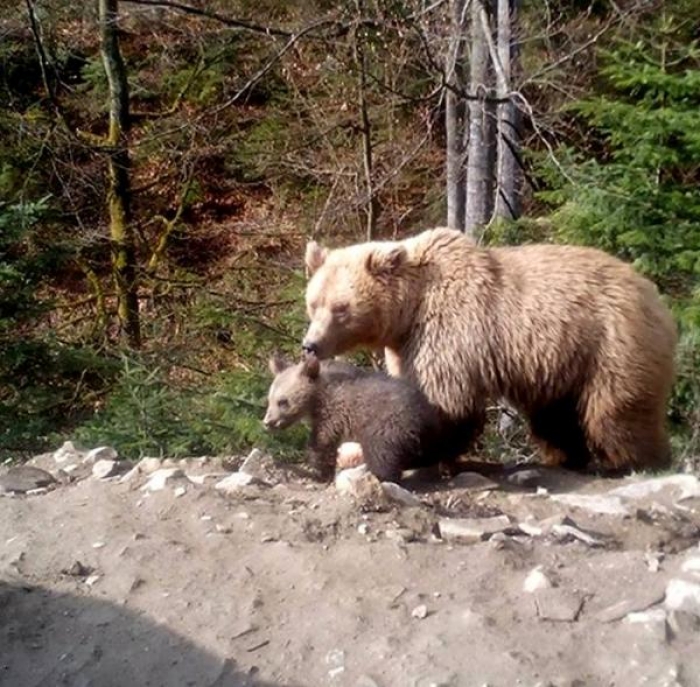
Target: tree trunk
column 509, row 173
column 119, row 192
column 366, row 131
column 482, row 129
column 455, row 119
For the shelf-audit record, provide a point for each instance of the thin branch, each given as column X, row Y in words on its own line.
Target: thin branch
column 217, row 16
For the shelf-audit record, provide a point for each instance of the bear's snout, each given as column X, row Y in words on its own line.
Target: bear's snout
column 309, row 347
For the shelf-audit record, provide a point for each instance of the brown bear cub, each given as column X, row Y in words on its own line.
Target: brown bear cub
column 396, row 426
column 571, row 337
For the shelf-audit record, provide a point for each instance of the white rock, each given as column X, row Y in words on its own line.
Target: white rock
column 149, row 465
column 99, row 545
column 207, row 477
column 161, row 478
column 179, row 491
column 535, row 580
column 470, row 530
column 655, row 615
column 530, row 529
column 400, row 495
column 604, row 505
column 683, row 596
column 130, row 475
column 359, row 483
column 420, row 612
column 363, row 528
column 336, row 660
column 688, row 486
column 104, row 468
column 100, row 453
column 67, row 452
column 234, row 482
column 256, row 464
column 691, row 565
column 91, row 580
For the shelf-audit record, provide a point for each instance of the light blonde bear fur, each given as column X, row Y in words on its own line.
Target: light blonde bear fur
column 572, row 337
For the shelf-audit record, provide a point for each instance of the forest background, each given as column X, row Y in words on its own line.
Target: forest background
column 163, row 163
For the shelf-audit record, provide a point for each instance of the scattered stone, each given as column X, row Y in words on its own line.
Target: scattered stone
column 655, row 615
column 420, row 612
column 558, row 605
column 653, row 560
column 529, row 478
column 683, row 596
column 687, row 485
column 363, row 528
column 473, row 481
column 179, row 491
column 235, row 482
column 100, row 453
column 404, row 535
column 159, row 479
column 600, row 504
column 653, row 622
column 99, row 545
column 104, row 468
column 366, row 681
column 650, row 597
column 530, row 529
column 67, row 452
column 222, row 529
column 536, row 580
column 131, row 475
column 361, row 484
column 542, row 491
column 259, row 465
column 471, row 530
column 400, row 495
column 91, row 580
column 25, row 478
column 682, row 623
column 349, row 455
column 335, row 659
column 149, row 465
column 78, row 570
column 570, row 530
column 37, row 492
column 207, row 477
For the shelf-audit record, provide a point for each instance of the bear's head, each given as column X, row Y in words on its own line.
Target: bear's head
column 291, row 392
column 354, row 296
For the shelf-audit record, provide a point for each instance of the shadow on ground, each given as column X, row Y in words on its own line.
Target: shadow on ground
column 49, row 640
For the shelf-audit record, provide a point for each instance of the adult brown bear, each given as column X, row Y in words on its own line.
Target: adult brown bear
column 573, row 338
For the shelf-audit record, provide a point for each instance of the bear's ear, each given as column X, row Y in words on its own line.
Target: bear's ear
column 315, row 257
column 278, row 363
column 312, row 366
column 381, row 262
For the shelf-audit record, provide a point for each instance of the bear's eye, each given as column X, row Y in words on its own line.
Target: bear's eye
column 283, row 403
column 340, row 309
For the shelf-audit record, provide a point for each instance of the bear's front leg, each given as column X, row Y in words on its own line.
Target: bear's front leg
column 321, row 454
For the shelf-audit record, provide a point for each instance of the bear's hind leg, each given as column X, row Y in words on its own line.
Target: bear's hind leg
column 628, row 438
column 556, row 429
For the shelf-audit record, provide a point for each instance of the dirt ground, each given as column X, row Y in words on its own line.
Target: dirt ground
column 287, row 582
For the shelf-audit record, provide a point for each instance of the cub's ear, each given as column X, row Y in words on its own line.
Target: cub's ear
column 312, row 366
column 315, row 257
column 278, row 363
column 382, row 262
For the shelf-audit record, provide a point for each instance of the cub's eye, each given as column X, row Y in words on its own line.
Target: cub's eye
column 283, row 403
column 340, row 309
